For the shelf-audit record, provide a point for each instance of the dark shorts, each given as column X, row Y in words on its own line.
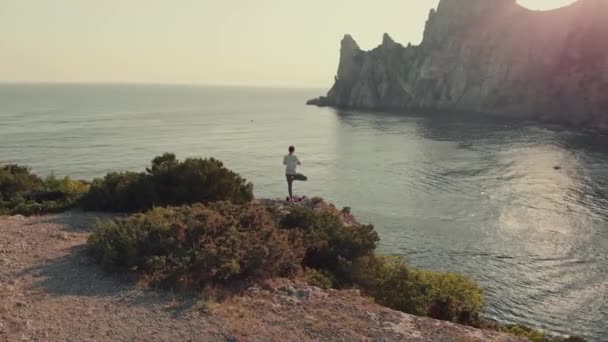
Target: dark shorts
column 290, row 177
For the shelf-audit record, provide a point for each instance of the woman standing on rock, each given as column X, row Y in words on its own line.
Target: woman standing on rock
column 291, row 162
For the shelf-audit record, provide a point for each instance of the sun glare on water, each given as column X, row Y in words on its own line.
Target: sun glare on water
column 544, row 4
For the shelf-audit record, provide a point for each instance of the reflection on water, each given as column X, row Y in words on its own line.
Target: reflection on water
column 466, row 194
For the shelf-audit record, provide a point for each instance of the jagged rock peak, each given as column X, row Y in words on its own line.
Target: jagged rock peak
column 471, row 7
column 387, row 41
column 348, row 51
column 349, row 43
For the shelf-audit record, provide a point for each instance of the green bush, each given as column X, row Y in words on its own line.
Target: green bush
column 328, row 240
column 17, row 180
column 22, row 192
column 386, row 279
column 198, row 246
column 445, row 296
column 536, row 336
column 120, row 192
column 168, row 182
column 318, row 278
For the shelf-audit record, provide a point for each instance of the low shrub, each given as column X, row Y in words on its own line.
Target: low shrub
column 329, row 241
column 17, row 180
column 168, row 182
column 120, row 192
column 447, row 296
column 198, row 246
column 533, row 335
column 22, row 192
column 386, row 279
column 318, row 278
column 444, row 296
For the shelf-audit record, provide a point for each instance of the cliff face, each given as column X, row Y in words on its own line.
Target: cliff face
column 486, row 56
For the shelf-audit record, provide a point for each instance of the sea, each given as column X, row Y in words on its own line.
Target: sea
column 520, row 207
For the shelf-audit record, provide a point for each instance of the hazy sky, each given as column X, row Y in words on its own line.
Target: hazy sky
column 244, row 42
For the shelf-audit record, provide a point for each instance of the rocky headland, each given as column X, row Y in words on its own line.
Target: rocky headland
column 50, row 290
column 493, row 57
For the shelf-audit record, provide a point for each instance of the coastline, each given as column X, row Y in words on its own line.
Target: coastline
column 194, row 232
column 545, row 121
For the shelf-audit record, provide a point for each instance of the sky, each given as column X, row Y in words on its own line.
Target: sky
column 222, row 42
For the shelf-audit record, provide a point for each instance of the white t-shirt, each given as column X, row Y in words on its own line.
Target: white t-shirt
column 290, row 162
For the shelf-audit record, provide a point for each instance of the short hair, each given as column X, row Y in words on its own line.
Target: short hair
column 291, row 148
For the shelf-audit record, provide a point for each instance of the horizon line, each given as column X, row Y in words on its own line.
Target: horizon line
column 182, row 84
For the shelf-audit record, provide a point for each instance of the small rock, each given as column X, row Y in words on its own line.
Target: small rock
column 557, row 167
column 303, row 293
column 254, row 290
column 17, row 217
column 20, row 303
column 288, row 290
column 290, row 300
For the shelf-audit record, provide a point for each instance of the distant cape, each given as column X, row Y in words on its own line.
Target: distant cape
column 487, row 56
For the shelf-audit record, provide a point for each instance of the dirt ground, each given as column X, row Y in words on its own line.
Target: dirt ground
column 51, row 291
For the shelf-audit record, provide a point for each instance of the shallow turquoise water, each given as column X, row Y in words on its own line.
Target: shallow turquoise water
column 463, row 194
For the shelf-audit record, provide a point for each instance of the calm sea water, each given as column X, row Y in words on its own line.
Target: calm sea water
column 469, row 195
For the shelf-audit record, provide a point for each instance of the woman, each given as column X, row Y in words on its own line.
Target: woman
column 291, row 162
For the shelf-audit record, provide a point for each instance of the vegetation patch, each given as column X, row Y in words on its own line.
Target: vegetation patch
column 199, row 246
column 329, row 242
column 168, row 182
column 22, row 192
column 345, row 255
column 536, row 336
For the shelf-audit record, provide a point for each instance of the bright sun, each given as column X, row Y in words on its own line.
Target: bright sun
column 544, row 4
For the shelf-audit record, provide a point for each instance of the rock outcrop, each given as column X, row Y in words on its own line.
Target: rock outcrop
column 487, row 56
